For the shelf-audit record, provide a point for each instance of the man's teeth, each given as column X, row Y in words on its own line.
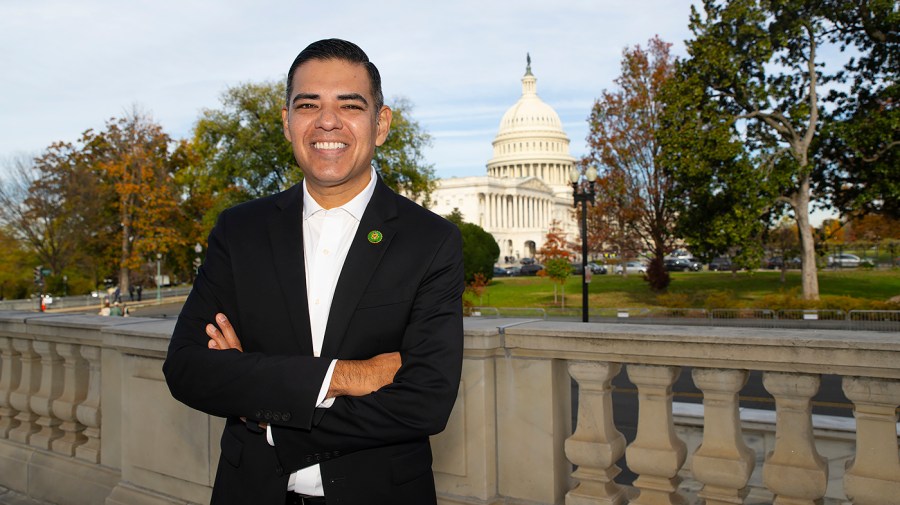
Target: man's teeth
column 330, row 145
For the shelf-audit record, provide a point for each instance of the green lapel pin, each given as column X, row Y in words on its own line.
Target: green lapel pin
column 375, row 236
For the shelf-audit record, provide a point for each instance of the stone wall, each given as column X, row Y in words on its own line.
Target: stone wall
column 86, row 417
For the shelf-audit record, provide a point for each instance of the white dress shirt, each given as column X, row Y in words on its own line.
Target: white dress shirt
column 327, row 235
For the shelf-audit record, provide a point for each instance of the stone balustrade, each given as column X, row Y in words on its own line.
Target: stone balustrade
column 86, row 417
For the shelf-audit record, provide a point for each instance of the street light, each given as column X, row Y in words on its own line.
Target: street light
column 584, row 191
column 158, row 279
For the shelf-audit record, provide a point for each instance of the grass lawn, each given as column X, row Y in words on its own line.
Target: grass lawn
column 838, row 289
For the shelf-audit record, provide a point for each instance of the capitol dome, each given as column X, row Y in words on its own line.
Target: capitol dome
column 531, row 141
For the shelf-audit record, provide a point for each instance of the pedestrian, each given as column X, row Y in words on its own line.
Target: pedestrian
column 318, row 407
column 131, row 292
column 140, row 290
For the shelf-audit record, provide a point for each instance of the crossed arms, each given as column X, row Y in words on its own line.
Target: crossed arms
column 264, row 371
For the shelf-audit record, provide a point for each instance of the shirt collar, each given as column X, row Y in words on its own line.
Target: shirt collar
column 355, row 207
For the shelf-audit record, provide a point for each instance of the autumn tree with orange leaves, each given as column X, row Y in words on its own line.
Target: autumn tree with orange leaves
column 635, row 194
column 133, row 163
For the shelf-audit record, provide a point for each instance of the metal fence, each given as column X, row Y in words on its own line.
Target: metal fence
column 871, row 320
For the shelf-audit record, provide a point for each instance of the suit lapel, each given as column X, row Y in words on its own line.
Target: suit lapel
column 286, row 237
column 362, row 260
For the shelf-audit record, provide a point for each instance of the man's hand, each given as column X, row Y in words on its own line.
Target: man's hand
column 361, row 377
column 225, row 338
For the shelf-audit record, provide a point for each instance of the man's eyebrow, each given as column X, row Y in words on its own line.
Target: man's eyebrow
column 305, row 96
column 354, row 96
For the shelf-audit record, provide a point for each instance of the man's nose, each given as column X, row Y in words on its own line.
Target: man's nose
column 328, row 119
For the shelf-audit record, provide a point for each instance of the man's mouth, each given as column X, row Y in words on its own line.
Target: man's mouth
column 329, row 146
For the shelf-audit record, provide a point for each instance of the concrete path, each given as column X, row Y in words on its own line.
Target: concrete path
column 8, row 497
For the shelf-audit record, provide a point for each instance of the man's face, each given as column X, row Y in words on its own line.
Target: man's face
column 333, row 127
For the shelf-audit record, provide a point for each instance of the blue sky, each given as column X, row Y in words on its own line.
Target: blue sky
column 68, row 66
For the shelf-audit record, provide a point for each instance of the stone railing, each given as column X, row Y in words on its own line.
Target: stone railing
column 86, row 418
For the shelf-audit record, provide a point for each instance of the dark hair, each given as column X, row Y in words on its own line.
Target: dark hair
column 337, row 49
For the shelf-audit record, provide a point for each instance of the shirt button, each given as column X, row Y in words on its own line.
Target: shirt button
column 317, row 301
column 325, row 252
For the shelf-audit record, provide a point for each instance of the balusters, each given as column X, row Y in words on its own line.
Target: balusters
column 74, row 375
column 657, row 453
column 51, row 385
column 596, row 444
column 20, row 399
column 10, row 370
column 794, row 471
column 723, row 462
column 88, row 411
column 873, row 477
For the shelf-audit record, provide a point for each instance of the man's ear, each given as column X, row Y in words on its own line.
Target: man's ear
column 383, row 124
column 285, row 124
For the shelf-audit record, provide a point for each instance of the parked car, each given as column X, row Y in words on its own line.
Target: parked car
column 513, row 271
column 677, row 264
column 844, row 260
column 631, row 267
column 593, row 267
column 500, row 272
column 721, row 263
column 531, row 269
column 777, row 262
column 696, row 265
column 527, row 261
column 597, row 268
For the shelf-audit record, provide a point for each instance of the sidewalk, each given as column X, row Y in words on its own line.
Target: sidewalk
column 8, row 497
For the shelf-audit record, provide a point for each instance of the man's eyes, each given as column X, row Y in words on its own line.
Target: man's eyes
column 347, row 106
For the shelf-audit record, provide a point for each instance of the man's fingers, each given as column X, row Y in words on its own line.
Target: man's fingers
column 216, row 339
column 228, row 332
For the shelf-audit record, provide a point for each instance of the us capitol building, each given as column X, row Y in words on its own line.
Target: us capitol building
column 527, row 182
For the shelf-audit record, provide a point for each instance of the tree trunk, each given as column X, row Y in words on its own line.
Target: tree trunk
column 126, row 254
column 808, row 272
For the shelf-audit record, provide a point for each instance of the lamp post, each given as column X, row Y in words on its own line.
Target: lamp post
column 584, row 191
column 158, row 279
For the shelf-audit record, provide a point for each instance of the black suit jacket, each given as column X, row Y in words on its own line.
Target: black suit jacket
column 400, row 294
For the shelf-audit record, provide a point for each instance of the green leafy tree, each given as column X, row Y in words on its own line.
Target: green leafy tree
column 860, row 142
column 720, row 202
column 636, row 192
column 241, row 148
column 757, row 63
column 480, row 250
column 401, row 159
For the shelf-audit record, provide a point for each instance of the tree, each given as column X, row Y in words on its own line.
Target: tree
column 554, row 255
column 132, row 161
column 860, row 146
column 757, row 63
column 635, row 191
column 480, row 250
column 721, row 204
column 401, row 159
column 241, row 149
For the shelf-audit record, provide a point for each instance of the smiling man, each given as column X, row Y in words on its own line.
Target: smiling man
column 331, row 387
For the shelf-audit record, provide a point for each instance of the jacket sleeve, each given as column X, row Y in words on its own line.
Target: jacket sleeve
column 264, row 386
column 419, row 401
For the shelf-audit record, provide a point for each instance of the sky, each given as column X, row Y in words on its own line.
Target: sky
column 69, row 66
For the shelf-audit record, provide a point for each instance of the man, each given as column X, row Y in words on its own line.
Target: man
column 327, row 287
